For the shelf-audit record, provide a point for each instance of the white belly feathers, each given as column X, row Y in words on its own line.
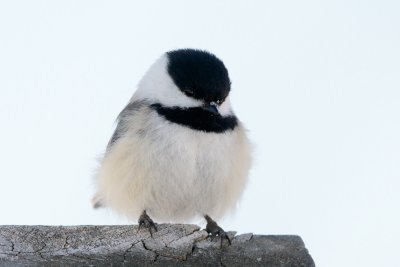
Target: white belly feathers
column 173, row 172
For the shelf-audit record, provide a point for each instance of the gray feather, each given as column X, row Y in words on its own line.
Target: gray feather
column 121, row 128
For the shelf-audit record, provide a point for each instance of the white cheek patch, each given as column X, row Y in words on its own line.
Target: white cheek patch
column 158, row 87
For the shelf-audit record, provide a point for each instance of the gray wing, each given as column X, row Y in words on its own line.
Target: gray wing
column 122, row 121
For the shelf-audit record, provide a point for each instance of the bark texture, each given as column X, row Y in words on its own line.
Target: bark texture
column 124, row 245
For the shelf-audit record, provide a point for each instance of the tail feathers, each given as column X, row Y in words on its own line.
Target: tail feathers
column 98, row 202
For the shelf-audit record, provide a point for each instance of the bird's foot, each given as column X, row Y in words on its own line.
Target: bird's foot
column 147, row 222
column 214, row 230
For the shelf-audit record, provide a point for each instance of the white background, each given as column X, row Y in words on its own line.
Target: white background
column 316, row 83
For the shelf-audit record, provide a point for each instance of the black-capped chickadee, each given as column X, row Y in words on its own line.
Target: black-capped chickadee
column 178, row 151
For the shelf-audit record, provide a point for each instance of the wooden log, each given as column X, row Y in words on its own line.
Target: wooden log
column 124, row 245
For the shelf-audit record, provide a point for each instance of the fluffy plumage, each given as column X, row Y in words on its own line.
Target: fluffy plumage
column 168, row 155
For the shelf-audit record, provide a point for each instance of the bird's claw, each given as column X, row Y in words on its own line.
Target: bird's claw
column 147, row 222
column 214, row 230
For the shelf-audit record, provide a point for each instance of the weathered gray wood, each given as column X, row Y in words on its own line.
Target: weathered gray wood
column 172, row 245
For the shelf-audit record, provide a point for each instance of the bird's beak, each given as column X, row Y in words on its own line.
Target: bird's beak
column 211, row 107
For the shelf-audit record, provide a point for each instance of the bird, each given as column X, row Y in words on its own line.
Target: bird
column 178, row 152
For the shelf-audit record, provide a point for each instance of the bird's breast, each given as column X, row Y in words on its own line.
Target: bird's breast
column 173, row 171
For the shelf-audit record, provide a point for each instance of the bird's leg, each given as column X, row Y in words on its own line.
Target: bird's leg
column 147, row 222
column 214, row 230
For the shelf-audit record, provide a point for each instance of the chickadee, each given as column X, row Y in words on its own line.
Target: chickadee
column 178, row 151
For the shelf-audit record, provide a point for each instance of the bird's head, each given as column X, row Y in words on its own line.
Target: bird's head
column 187, row 78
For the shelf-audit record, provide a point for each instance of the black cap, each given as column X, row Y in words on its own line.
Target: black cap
column 199, row 74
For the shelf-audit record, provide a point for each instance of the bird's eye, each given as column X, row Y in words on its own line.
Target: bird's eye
column 188, row 91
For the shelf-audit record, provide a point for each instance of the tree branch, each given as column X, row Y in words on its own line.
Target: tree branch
column 171, row 245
